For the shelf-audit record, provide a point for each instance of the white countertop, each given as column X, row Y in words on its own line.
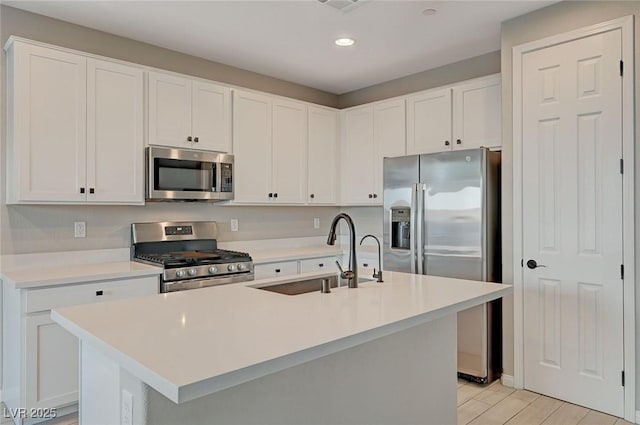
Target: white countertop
column 36, row 277
column 192, row 343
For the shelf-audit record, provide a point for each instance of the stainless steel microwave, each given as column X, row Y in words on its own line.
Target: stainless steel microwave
column 188, row 175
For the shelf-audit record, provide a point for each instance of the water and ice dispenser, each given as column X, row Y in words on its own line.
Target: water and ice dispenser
column 400, row 227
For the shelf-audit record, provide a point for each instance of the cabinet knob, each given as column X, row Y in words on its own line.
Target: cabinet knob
column 82, row 190
column 99, row 293
column 370, row 196
column 92, row 190
column 270, row 195
column 189, row 139
column 275, row 195
column 459, row 142
column 277, row 270
column 365, row 265
column 312, row 196
column 375, row 195
column 195, row 139
column 321, row 265
column 446, row 143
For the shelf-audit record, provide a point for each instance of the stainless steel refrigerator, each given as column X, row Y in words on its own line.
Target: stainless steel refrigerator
column 442, row 218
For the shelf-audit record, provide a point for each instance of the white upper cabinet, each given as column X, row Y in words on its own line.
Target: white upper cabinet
column 75, row 128
column 429, row 122
column 322, row 170
column 115, row 154
column 186, row 113
column 270, row 149
column 371, row 133
column 477, row 114
column 464, row 116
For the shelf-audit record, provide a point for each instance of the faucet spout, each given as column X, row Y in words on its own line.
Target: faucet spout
column 352, row 273
column 377, row 275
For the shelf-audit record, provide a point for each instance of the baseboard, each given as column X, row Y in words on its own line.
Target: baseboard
column 507, row 380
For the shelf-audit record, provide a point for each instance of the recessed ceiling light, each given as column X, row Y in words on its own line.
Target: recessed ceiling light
column 345, row 42
column 429, row 12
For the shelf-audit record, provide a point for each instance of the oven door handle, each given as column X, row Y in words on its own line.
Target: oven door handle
column 182, row 285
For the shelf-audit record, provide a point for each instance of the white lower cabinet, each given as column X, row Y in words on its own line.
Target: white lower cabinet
column 318, row 264
column 40, row 358
column 269, row 270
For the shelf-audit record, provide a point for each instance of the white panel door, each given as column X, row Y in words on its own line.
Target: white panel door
column 389, row 130
column 211, row 119
column 51, row 363
column 477, row 114
column 289, row 152
column 252, row 147
column 322, row 156
column 115, row 141
column 572, row 222
column 358, row 165
column 49, row 95
column 429, row 122
column 169, row 110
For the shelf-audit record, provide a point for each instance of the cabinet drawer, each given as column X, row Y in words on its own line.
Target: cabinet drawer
column 108, row 290
column 284, row 268
column 318, row 264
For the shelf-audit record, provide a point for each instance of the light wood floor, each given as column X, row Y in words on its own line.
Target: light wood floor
column 492, row 404
column 496, row 404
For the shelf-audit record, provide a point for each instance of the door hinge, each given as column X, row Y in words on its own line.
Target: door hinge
column 621, row 68
column 622, row 271
column 622, row 378
column 621, row 166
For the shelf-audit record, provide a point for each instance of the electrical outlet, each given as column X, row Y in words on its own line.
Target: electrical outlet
column 80, row 229
column 316, row 223
column 234, row 224
column 126, row 408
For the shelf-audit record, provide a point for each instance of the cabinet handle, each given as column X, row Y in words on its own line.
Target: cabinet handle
column 82, row 190
column 92, row 190
column 99, row 293
column 270, row 195
column 365, row 264
column 446, row 143
column 275, row 195
column 375, row 195
column 189, row 139
column 370, row 196
column 195, row 139
column 277, row 270
column 459, row 141
column 312, row 196
column 321, row 265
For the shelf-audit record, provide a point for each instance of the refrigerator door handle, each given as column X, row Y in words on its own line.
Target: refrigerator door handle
column 419, row 242
column 413, row 225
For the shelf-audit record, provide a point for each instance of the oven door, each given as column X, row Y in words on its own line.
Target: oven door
column 186, row 175
column 183, row 285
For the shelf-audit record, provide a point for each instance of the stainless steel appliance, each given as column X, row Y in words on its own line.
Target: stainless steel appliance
column 442, row 218
column 188, row 175
column 189, row 255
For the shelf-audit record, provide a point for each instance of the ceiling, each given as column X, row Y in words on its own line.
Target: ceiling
column 293, row 40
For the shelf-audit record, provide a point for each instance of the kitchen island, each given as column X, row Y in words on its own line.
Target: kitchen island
column 381, row 353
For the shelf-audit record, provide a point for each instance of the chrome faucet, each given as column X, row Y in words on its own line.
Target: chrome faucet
column 352, row 273
column 379, row 274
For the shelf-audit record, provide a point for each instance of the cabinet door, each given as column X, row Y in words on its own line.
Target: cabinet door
column 477, row 117
column 252, row 146
column 322, row 156
column 289, row 152
column 51, row 363
column 169, row 110
column 115, row 143
column 47, row 138
column 358, row 157
column 211, row 120
column 389, row 130
column 321, row 264
column 429, row 122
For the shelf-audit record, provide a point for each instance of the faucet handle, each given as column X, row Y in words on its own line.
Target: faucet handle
column 344, row 274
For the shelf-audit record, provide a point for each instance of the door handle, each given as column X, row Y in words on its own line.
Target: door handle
column 532, row 264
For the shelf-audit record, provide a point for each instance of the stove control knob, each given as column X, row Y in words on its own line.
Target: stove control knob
column 180, row 273
column 213, row 269
column 241, row 266
column 231, row 267
column 192, row 272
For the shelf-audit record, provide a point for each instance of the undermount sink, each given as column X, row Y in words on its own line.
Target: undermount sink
column 307, row 285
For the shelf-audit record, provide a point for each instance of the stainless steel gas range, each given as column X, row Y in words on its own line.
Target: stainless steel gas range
column 189, row 255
